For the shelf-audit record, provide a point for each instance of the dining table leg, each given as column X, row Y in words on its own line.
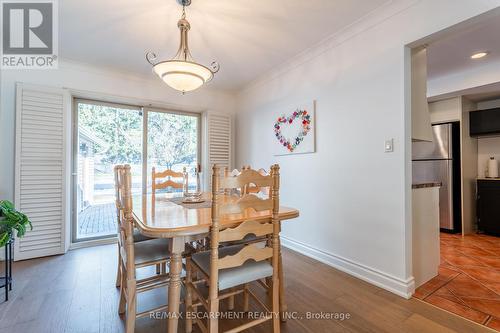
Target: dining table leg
column 174, row 285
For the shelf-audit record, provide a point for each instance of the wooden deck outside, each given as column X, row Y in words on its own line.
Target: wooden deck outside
column 97, row 220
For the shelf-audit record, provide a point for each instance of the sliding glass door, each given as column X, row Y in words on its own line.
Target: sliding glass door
column 107, row 134
column 172, row 143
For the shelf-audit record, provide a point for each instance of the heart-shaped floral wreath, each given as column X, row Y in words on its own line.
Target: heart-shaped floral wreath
column 304, row 117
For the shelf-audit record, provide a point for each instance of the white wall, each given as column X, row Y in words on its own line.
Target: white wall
column 92, row 82
column 354, row 199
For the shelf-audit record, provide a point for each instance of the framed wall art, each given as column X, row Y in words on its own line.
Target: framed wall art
column 294, row 130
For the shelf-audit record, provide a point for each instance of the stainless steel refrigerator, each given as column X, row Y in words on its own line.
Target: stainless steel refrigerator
column 440, row 161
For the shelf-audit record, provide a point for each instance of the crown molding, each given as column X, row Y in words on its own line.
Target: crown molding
column 367, row 22
column 71, row 64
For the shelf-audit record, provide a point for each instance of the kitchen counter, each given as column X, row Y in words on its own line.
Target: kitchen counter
column 485, row 178
column 425, row 227
column 426, row 185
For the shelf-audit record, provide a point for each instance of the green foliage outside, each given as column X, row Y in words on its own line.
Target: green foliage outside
column 121, row 130
column 172, row 138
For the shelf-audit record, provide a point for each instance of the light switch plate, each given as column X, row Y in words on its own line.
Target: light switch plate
column 389, row 146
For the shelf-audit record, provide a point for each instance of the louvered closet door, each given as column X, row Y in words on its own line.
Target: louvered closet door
column 41, row 163
column 219, row 142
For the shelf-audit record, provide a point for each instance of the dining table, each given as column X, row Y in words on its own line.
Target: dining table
column 182, row 223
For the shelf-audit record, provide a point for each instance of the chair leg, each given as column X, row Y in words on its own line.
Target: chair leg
column 119, row 269
column 123, row 290
column 131, row 306
column 283, row 306
column 230, row 303
column 246, row 298
column 189, row 295
column 275, row 305
column 213, row 318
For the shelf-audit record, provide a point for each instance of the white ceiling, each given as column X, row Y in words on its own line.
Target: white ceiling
column 452, row 53
column 247, row 37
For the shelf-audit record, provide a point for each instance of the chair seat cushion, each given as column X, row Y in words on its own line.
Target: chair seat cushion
column 231, row 277
column 138, row 237
column 151, row 250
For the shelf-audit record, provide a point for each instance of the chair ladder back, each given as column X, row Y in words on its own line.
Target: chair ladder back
column 168, row 183
column 246, row 228
column 253, row 251
column 252, row 188
column 244, row 203
column 246, row 177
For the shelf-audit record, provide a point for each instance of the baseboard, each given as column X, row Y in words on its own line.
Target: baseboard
column 95, row 242
column 380, row 279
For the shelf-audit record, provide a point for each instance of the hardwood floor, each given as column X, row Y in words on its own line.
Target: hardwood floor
column 76, row 293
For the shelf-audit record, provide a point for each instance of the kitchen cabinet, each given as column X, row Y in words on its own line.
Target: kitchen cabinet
column 488, row 207
column 485, row 122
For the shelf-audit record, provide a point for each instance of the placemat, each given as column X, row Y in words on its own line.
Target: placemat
column 178, row 201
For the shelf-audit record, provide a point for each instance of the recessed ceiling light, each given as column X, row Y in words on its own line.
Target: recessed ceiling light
column 479, row 55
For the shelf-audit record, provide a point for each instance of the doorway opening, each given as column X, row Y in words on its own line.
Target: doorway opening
column 455, row 244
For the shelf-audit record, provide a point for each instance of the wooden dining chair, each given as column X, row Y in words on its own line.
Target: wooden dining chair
column 169, row 182
column 252, row 188
column 135, row 255
column 234, row 267
column 138, row 237
column 264, row 190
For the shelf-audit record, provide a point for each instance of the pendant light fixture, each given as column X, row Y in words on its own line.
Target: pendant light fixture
column 182, row 73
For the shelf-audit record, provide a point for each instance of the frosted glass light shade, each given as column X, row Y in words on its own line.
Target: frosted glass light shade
column 183, row 75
